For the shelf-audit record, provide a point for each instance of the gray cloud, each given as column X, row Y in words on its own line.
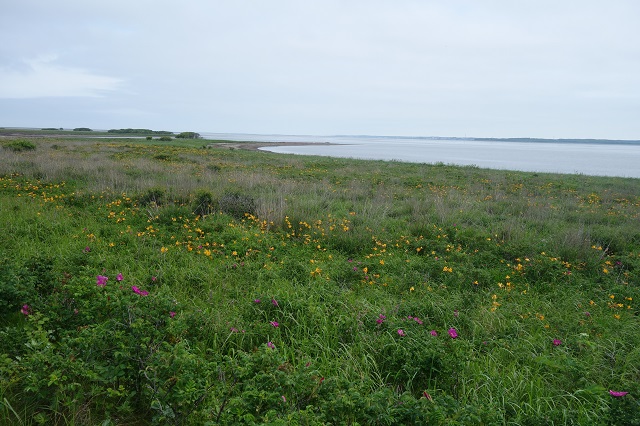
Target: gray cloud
column 491, row 68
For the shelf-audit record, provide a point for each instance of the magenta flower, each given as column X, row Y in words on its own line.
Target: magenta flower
column 381, row 319
column 401, row 332
column 557, row 342
column 256, row 300
column 270, row 345
column 275, row 324
column 87, row 249
column 274, row 302
column 136, row 290
column 101, row 280
column 418, row 320
column 26, row 310
column 433, row 333
column 172, row 314
column 453, row 333
column 617, row 394
column 119, row 277
column 283, row 398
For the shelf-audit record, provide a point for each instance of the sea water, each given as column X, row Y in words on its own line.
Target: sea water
column 593, row 158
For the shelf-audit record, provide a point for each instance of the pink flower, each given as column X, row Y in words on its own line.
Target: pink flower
column 557, row 342
column 172, row 314
column 101, row 280
column 87, row 249
column 270, row 345
column 617, row 394
column 119, row 277
column 256, row 300
column 136, row 290
column 283, row 398
column 418, row 320
column 401, row 332
column 275, row 324
column 453, row 333
column 433, row 333
column 381, row 319
column 274, row 302
column 26, row 310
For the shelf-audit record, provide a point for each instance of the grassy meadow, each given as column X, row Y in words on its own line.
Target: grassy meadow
column 144, row 282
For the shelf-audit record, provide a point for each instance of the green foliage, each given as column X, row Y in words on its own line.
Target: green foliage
column 19, row 145
column 153, row 196
column 188, row 135
column 203, row 203
column 237, row 205
column 82, row 129
column 165, row 138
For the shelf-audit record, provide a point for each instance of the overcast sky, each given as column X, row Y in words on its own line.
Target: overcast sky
column 491, row 68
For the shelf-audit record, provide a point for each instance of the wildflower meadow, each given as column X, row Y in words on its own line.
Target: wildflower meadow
column 147, row 282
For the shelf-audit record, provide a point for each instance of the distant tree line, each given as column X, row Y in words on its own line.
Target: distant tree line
column 139, row 132
column 188, row 135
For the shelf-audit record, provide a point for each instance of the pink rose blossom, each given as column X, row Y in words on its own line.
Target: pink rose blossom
column 136, row 290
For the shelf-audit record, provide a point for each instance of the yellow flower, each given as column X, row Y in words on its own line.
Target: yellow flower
column 164, row 250
column 411, row 289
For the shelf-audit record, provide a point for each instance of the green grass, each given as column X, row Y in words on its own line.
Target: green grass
column 359, row 263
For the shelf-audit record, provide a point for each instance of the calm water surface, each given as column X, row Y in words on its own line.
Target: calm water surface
column 601, row 159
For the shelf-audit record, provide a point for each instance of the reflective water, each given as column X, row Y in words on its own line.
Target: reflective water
column 602, row 159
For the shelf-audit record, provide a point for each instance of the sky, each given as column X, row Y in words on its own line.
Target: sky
column 490, row 68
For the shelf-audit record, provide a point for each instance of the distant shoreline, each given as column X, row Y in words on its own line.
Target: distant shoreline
column 255, row 146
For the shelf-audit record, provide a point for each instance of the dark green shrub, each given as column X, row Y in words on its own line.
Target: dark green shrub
column 188, row 135
column 237, row 205
column 165, row 138
column 203, row 203
column 19, row 145
column 153, row 196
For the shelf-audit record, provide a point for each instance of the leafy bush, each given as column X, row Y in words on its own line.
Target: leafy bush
column 203, row 203
column 19, row 145
column 188, row 135
column 155, row 196
column 237, row 205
